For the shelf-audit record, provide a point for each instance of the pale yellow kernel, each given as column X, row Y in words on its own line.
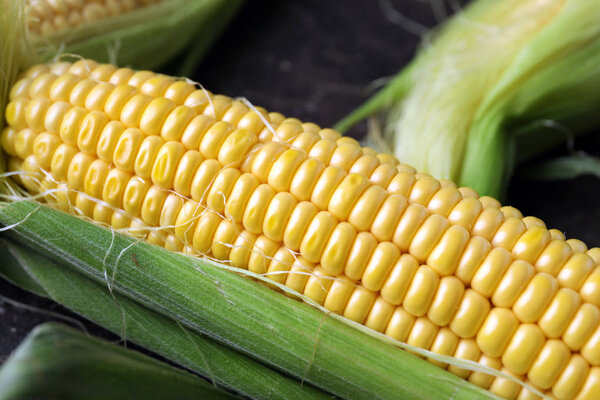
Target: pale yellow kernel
column 446, row 300
column 386, row 220
column 467, row 350
column 535, row 298
column 400, row 325
column 470, row 314
column 472, row 257
column 317, row 235
column 445, row 256
column 283, row 169
column 516, row 278
column 216, row 198
column 359, row 304
column 490, row 272
column 337, row 249
column 305, row 179
column 410, row 221
column 146, row 155
column 380, row 314
column 326, row 185
column 496, row 331
column 557, row 316
column 165, row 164
column 257, row 207
column 381, row 262
column 346, row 195
column 523, row 348
column 421, row 291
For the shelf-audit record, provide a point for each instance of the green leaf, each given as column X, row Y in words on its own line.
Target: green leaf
column 569, row 167
column 161, row 334
column 56, row 362
column 207, row 298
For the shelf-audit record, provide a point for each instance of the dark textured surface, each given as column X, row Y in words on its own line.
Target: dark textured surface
column 315, row 60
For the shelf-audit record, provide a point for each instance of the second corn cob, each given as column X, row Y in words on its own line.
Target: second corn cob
column 401, row 252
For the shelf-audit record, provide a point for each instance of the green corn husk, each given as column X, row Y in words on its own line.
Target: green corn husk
column 97, row 302
column 208, row 299
column 500, row 82
column 57, row 362
column 147, row 37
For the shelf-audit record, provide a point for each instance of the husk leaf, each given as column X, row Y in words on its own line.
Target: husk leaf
column 57, row 362
column 135, row 323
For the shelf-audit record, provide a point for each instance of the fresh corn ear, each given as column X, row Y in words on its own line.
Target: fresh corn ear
column 138, row 33
column 418, row 259
column 499, row 82
column 46, row 17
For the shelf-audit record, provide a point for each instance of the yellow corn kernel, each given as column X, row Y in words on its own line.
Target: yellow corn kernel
column 591, row 349
column 506, row 388
column 557, row 316
column 317, row 288
column 582, row 325
column 483, row 379
column 523, row 348
column 470, row 314
column 256, row 207
column 516, row 278
column 446, row 300
column 548, row 365
column 445, row 344
column 401, row 183
column 422, row 333
column 466, row 212
column 421, row 290
column 400, row 325
column 409, row 224
column 337, row 248
column 553, row 257
column 446, row 254
column 359, row 304
column 383, row 258
column 488, row 275
column 496, row 331
column 473, row 255
column 339, row 293
column 133, row 194
column 126, row 148
column 203, row 178
column 590, row 288
column 534, row 299
column 95, row 178
column 242, row 189
column 187, row 166
column 346, row 195
column 152, row 205
column 571, row 379
column 423, row 190
column 531, row 243
column 114, row 187
column 487, row 223
column 380, row 314
column 508, row 233
column 298, row 223
column 467, row 350
column 575, row 270
column 316, row 236
column 387, row 217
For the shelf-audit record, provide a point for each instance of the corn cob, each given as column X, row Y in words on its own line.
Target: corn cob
column 418, row 259
column 50, row 16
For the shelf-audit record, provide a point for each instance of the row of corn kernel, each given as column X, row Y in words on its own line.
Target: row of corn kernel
column 50, row 16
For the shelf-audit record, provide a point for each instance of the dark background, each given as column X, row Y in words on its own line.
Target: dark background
column 316, row 60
